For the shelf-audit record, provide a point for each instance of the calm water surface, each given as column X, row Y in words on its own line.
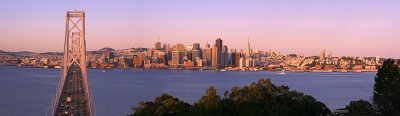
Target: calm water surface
column 29, row 91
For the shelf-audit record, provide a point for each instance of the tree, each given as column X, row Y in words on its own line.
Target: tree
column 164, row 105
column 360, row 108
column 208, row 104
column 387, row 89
column 258, row 99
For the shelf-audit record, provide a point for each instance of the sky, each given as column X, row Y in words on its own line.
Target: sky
column 345, row 27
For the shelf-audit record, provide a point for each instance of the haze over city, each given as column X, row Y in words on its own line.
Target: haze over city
column 349, row 28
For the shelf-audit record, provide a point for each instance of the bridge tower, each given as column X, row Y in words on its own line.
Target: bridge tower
column 72, row 95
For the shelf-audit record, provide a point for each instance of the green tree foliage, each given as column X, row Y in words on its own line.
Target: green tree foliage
column 261, row 98
column 360, row 108
column 387, row 89
column 164, row 105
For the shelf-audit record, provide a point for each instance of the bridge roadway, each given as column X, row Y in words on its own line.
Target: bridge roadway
column 73, row 97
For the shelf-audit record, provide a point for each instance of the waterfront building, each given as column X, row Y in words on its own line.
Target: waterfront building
column 137, row 61
column 154, row 59
column 188, row 63
column 198, row 62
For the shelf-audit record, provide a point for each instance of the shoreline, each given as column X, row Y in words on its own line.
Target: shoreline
column 211, row 69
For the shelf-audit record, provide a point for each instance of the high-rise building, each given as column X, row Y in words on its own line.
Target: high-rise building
column 162, row 57
column 158, row 44
column 196, row 46
column 215, row 57
column 224, row 56
column 248, row 50
column 180, row 48
column 195, row 53
column 322, row 55
column 218, row 43
column 176, row 58
column 218, row 52
column 199, row 62
column 207, row 45
column 207, row 53
column 165, row 47
column 233, row 58
column 241, row 62
column 167, row 51
column 238, row 55
column 189, row 49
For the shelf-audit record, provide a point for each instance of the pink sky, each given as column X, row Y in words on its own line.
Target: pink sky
column 348, row 28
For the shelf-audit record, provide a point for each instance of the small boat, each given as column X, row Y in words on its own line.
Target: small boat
column 222, row 70
column 104, row 71
column 282, row 72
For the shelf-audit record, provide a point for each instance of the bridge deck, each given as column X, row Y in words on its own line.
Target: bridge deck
column 73, row 97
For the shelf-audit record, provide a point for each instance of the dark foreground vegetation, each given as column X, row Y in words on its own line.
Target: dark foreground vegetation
column 263, row 98
column 386, row 99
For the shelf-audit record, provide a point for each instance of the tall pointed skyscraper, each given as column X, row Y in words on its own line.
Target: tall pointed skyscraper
column 248, row 50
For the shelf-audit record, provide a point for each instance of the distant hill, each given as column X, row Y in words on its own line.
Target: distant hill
column 106, row 49
column 28, row 53
column 52, row 53
column 101, row 51
column 24, row 53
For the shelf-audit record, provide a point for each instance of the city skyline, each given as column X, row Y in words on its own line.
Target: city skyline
column 356, row 28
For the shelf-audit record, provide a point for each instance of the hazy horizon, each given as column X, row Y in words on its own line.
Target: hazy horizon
column 348, row 28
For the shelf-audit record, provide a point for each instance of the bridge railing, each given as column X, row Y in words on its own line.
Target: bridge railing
column 60, row 85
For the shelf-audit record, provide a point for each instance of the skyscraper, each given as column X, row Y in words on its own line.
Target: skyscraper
column 322, row 55
column 181, row 48
column 215, row 54
column 218, row 43
column 189, row 49
column 207, row 53
column 218, row 52
column 176, row 58
column 248, row 50
column 195, row 53
column 207, row 45
column 165, row 47
column 196, row 46
column 224, row 56
column 233, row 58
column 158, row 44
